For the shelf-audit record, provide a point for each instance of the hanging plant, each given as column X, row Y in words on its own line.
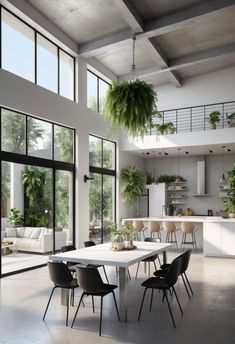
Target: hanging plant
column 130, row 105
column 132, row 184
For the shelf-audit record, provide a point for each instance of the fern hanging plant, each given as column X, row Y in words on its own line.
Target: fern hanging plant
column 132, row 184
column 130, row 105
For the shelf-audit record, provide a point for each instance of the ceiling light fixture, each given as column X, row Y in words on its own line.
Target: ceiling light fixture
column 211, row 151
column 222, row 179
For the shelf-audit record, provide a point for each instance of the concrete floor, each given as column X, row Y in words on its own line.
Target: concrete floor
column 208, row 317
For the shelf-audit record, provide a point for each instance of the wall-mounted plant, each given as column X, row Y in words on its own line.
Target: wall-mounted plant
column 132, row 184
column 214, row 118
column 231, row 119
column 164, row 128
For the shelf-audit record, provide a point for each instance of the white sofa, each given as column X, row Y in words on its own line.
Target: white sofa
column 34, row 239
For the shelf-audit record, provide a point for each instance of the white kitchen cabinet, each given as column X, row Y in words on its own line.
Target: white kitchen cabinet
column 212, row 239
column 228, row 239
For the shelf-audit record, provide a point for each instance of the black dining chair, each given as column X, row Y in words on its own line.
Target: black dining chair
column 149, row 260
column 91, row 282
column 90, row 243
column 164, row 284
column 70, row 265
column 184, row 266
column 61, row 276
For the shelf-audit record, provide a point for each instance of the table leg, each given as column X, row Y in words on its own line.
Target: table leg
column 164, row 257
column 123, row 293
column 64, row 296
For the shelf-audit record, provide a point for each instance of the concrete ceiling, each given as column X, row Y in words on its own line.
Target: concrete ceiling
column 175, row 39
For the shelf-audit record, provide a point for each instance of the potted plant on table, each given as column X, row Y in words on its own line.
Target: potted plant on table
column 214, row 118
column 231, row 119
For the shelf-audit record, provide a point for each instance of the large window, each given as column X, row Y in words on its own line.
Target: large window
column 96, row 92
column 27, row 53
column 102, row 191
column 37, row 190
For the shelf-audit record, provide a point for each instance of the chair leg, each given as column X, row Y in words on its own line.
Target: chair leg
column 185, row 286
column 129, row 275
column 168, row 304
column 93, row 305
column 72, row 298
column 195, row 242
column 188, row 283
column 177, row 300
column 48, row 303
column 163, row 296
column 142, row 304
column 159, row 260
column 182, row 241
column 105, row 274
column 67, row 313
column 80, row 301
column 155, row 266
column 176, row 241
column 149, row 269
column 137, row 270
column 114, row 298
column 101, row 312
column 167, row 235
column 151, row 300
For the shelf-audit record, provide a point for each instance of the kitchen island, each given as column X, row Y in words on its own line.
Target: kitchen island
column 215, row 235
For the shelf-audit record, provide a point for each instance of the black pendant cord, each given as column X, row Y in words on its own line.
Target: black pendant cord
column 133, row 74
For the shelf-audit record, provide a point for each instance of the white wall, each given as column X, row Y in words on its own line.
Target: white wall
column 188, row 169
column 205, row 89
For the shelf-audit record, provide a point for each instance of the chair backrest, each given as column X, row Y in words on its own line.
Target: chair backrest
column 174, row 271
column 187, row 227
column 169, row 226
column 68, row 248
column 154, row 226
column 89, row 279
column 59, row 273
column 138, row 225
column 185, row 260
column 89, row 243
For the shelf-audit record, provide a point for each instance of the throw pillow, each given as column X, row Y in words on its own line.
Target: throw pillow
column 28, row 231
column 20, row 232
column 11, row 232
column 35, row 233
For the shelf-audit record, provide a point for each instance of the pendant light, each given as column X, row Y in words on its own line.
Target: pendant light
column 222, row 179
column 133, row 74
column 178, row 180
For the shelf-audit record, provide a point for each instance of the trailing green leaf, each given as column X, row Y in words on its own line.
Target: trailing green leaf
column 130, row 105
column 132, row 184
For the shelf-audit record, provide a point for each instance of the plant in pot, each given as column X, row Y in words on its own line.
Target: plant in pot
column 170, row 129
column 132, row 185
column 130, row 105
column 229, row 204
column 214, row 118
column 231, row 119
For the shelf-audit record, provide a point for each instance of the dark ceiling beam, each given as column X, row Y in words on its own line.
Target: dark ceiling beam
column 130, row 15
column 163, row 25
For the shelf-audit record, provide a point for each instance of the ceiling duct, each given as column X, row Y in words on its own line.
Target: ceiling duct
column 201, row 179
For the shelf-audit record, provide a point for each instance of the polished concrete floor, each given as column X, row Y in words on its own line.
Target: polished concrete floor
column 209, row 317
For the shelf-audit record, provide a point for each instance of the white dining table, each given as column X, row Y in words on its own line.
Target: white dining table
column 103, row 255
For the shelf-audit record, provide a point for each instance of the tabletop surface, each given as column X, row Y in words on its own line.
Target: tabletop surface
column 103, row 255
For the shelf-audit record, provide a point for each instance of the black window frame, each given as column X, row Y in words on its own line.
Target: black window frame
column 106, row 172
column 36, row 32
column 98, row 89
column 54, row 165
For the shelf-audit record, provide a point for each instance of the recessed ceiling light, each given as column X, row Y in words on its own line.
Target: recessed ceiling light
column 228, row 150
column 147, row 153
column 159, row 153
column 186, row 152
column 211, row 151
column 166, row 153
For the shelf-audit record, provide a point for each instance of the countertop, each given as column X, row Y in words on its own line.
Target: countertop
column 201, row 219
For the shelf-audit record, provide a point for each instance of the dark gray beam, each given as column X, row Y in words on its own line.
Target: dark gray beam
column 159, row 26
column 130, row 15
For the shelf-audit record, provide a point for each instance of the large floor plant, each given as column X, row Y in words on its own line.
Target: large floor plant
column 130, row 105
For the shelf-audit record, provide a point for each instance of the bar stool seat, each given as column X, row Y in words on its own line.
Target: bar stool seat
column 139, row 227
column 188, row 228
column 170, row 229
column 154, row 227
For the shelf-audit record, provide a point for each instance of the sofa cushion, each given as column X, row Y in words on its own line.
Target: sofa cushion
column 20, row 232
column 27, row 232
column 35, row 233
column 11, row 232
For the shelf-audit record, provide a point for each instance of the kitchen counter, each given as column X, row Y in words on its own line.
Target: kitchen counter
column 217, row 237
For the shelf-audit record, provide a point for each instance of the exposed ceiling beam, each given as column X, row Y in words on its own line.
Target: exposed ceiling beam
column 130, row 15
column 159, row 26
column 186, row 61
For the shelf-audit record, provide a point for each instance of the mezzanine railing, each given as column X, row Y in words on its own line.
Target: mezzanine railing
column 194, row 118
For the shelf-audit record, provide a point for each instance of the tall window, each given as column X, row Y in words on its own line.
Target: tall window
column 27, row 53
column 102, row 192
column 96, row 92
column 37, row 189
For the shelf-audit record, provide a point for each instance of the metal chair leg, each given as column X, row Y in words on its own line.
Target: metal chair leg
column 48, row 303
column 93, row 305
column 185, row 286
column 148, row 269
column 116, row 305
column 155, row 266
column 188, row 283
column 177, row 300
column 168, row 304
column 142, row 304
column 101, row 311
column 129, row 275
column 67, row 313
column 80, row 301
column 159, row 261
column 105, row 274
column 137, row 270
